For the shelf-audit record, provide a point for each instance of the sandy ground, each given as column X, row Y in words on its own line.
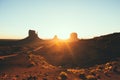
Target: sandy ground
column 41, row 72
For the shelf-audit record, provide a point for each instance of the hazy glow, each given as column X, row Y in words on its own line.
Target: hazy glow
column 61, row 44
column 88, row 18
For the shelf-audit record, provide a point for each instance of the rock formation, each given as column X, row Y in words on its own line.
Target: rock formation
column 55, row 37
column 32, row 34
column 73, row 36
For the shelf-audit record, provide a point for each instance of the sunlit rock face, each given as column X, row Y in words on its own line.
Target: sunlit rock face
column 73, row 36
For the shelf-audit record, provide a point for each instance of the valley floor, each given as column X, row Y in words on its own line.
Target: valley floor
column 108, row 71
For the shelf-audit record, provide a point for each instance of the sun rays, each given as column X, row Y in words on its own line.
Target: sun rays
column 61, row 46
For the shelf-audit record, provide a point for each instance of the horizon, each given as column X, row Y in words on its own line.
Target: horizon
column 88, row 18
column 58, row 36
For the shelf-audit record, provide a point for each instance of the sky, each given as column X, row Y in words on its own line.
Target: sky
column 88, row 18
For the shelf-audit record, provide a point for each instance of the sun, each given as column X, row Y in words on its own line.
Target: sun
column 72, row 36
column 62, row 36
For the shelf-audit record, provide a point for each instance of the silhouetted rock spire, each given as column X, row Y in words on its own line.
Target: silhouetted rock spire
column 73, row 36
column 55, row 37
column 32, row 35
